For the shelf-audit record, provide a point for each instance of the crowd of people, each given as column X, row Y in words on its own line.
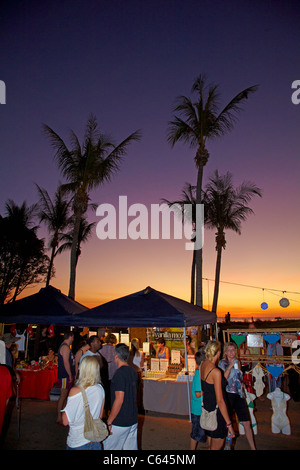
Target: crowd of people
column 111, row 375
column 218, row 385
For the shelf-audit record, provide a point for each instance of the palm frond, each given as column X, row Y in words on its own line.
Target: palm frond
column 228, row 116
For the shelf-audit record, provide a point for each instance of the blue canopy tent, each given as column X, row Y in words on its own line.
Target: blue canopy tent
column 146, row 308
column 48, row 306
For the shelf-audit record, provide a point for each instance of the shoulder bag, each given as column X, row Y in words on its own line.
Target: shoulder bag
column 208, row 419
column 95, row 430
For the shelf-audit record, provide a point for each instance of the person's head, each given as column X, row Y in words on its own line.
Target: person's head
column 188, row 339
column 212, row 349
column 135, row 344
column 94, row 343
column 230, row 351
column 110, row 339
column 198, row 358
column 89, row 372
column 122, row 352
column 69, row 336
column 84, row 344
column 161, row 342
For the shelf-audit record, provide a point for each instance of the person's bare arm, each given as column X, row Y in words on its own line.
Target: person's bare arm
column 65, row 352
column 118, row 402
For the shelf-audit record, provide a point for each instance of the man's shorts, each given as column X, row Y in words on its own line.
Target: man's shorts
column 65, row 383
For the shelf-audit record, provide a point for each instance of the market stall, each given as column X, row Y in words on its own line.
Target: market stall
column 47, row 307
column 37, row 383
column 146, row 308
column 267, row 357
column 152, row 308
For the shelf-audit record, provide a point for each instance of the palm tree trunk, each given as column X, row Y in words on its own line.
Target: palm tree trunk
column 199, row 255
column 193, row 277
column 50, row 266
column 73, row 257
column 217, row 279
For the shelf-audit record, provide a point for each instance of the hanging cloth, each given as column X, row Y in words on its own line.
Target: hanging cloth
column 275, row 370
column 238, row 339
column 272, row 339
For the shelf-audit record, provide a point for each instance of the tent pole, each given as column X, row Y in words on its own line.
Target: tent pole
column 187, row 370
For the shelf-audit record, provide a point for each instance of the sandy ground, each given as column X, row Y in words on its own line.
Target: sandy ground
column 38, row 430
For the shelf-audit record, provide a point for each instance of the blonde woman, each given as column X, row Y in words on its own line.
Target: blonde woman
column 235, row 391
column 213, row 388
column 73, row 413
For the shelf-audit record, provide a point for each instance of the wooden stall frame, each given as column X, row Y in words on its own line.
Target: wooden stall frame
column 261, row 357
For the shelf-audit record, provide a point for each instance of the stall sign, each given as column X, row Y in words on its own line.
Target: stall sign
column 175, row 356
column 163, row 364
column 154, row 364
column 169, row 335
column 191, row 363
column 287, row 339
column 125, row 338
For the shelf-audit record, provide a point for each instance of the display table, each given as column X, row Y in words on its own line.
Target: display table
column 166, row 396
column 37, row 383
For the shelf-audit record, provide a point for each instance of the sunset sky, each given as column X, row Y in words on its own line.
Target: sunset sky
column 126, row 61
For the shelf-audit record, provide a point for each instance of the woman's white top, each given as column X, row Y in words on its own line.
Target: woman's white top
column 137, row 359
column 75, row 413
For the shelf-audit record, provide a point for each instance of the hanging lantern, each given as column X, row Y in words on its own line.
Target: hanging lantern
column 284, row 302
column 264, row 306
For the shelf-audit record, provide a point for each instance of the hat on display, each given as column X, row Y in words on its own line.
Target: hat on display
column 8, row 338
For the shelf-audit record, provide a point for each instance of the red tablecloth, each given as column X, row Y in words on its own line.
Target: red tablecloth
column 37, row 384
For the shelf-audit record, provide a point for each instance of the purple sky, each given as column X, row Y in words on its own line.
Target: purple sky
column 126, row 61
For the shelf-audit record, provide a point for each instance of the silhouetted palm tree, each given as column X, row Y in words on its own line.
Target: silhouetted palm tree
column 226, row 207
column 56, row 215
column 85, row 168
column 22, row 257
column 200, row 121
column 188, row 197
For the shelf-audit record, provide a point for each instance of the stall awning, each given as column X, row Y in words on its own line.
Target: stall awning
column 146, row 308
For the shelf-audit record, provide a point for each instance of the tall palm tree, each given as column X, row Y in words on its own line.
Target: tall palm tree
column 226, row 207
column 200, row 121
column 56, row 215
column 85, row 168
column 188, row 197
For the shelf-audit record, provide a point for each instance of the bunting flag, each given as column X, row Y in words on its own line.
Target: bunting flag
column 29, row 331
column 51, row 331
column 85, row 331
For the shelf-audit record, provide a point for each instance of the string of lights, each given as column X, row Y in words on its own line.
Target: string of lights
column 264, row 289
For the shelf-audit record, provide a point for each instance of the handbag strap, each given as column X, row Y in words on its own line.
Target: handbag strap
column 85, row 400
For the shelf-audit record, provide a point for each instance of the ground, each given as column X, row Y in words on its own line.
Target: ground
column 38, row 430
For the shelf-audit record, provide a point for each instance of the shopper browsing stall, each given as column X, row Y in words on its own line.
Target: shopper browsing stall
column 235, row 392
